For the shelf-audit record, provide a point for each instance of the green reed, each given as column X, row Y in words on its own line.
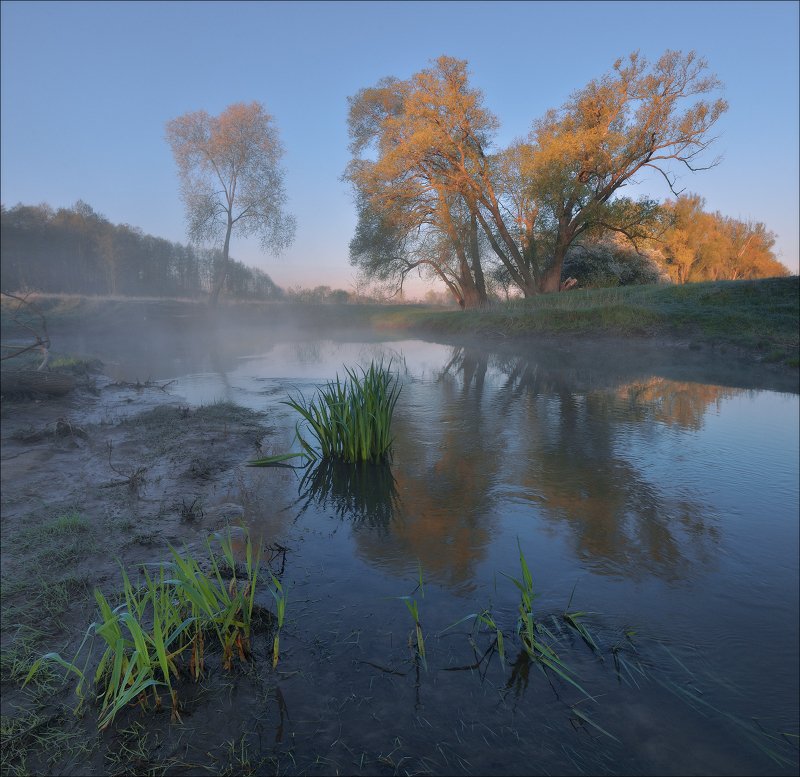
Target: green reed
column 279, row 594
column 413, row 608
column 534, row 636
column 350, row 419
column 163, row 620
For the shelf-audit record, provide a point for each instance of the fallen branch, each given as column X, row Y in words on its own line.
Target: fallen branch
column 41, row 338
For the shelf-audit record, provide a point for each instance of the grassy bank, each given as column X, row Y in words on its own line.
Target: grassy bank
column 760, row 318
column 757, row 318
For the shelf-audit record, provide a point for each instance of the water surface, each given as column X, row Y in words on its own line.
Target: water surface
column 662, row 502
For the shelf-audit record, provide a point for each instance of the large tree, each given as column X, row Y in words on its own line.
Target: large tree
column 429, row 139
column 412, row 143
column 231, row 177
column 638, row 118
column 385, row 248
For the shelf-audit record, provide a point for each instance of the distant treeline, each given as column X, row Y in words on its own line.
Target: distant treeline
column 77, row 251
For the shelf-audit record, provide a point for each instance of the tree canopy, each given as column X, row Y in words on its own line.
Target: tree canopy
column 231, row 177
column 434, row 194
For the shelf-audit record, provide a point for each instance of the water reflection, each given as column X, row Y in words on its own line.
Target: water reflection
column 673, row 403
column 502, row 434
column 365, row 493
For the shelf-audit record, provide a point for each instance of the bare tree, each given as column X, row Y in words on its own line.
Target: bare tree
column 230, row 177
column 26, row 316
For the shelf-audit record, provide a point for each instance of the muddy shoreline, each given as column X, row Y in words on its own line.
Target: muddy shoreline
column 110, row 475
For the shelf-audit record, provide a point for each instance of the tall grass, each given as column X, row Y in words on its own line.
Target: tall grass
column 162, row 625
column 350, row 419
column 535, row 636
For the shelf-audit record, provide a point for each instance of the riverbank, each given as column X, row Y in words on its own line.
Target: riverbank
column 756, row 320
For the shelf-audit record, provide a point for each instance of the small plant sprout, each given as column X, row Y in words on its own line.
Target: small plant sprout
column 279, row 594
column 573, row 619
column 529, row 631
column 413, row 608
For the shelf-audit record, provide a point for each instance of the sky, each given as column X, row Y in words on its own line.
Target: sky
column 87, row 88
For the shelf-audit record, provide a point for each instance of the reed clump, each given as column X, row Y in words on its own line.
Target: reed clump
column 162, row 626
column 350, row 419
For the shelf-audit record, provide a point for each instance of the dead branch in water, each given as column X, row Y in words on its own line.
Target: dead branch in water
column 41, row 339
column 139, row 386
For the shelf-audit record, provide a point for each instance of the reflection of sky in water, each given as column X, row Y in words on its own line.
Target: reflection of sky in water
column 298, row 364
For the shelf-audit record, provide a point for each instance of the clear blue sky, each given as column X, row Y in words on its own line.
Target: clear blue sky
column 88, row 87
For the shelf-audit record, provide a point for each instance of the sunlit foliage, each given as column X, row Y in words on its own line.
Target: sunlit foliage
column 415, row 143
column 428, row 180
column 703, row 246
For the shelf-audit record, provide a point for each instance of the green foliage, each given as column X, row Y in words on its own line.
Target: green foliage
column 413, row 608
column 535, row 636
column 161, row 624
column 350, row 419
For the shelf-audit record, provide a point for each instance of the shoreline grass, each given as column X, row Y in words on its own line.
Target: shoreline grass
column 757, row 318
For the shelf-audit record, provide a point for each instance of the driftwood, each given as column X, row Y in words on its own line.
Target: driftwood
column 23, row 316
column 35, row 382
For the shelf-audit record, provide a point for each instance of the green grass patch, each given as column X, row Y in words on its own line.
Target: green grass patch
column 761, row 317
column 58, row 542
column 163, row 623
column 350, row 419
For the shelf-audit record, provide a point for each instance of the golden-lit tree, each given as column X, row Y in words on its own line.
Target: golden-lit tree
column 230, row 177
column 415, row 144
column 423, row 144
column 637, row 118
column 702, row 246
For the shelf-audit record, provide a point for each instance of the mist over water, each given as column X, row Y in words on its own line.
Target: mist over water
column 659, row 489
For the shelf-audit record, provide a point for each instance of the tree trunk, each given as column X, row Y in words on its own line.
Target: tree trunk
column 477, row 270
column 551, row 278
column 222, row 271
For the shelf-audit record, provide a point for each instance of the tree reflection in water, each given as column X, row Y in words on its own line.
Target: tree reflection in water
column 504, row 432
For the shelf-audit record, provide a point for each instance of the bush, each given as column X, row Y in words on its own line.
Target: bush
column 608, row 263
